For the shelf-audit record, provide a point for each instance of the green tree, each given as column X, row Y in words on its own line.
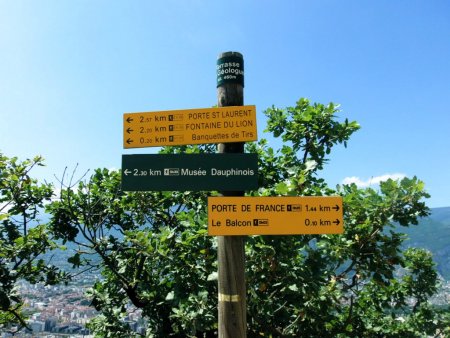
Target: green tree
column 155, row 254
column 23, row 239
column 151, row 256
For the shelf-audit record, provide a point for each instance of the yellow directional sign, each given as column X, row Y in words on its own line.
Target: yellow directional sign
column 189, row 126
column 228, row 216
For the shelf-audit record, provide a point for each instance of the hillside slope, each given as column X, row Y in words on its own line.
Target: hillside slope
column 433, row 234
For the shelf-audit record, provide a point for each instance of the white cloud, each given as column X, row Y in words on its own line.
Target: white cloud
column 4, row 207
column 373, row 180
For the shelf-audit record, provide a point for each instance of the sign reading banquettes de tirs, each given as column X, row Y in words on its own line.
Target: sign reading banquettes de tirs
column 228, row 216
column 189, row 126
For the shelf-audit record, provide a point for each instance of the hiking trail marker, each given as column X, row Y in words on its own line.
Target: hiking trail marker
column 231, row 216
column 189, row 126
column 250, row 215
column 189, row 172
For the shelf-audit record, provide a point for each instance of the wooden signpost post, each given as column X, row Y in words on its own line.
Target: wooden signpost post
column 231, row 257
column 231, row 216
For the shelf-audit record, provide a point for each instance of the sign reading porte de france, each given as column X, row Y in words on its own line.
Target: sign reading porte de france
column 228, row 216
column 190, row 126
column 194, row 172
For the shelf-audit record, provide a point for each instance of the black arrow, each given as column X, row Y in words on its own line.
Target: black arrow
column 129, row 119
column 336, row 207
column 129, row 130
column 129, row 141
column 337, row 222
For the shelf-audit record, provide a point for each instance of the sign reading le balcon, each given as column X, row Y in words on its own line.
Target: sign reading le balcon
column 194, row 172
column 249, row 215
column 189, row 126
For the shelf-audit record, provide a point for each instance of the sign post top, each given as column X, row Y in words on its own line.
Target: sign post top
column 230, row 68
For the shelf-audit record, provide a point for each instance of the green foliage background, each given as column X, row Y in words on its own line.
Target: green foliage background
column 22, row 237
column 156, row 255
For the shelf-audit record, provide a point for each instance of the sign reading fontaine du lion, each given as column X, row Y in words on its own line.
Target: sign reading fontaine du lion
column 189, row 126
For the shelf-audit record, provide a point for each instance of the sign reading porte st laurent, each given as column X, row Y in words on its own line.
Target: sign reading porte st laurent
column 229, row 216
column 189, row 126
column 195, row 172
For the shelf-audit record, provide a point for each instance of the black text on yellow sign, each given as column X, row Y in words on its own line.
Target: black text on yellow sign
column 189, row 126
column 228, row 216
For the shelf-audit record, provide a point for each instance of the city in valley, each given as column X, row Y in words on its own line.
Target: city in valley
column 63, row 310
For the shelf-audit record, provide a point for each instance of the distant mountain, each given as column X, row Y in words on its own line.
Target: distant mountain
column 433, row 234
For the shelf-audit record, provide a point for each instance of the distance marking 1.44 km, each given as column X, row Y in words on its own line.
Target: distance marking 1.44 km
column 189, row 126
column 228, row 216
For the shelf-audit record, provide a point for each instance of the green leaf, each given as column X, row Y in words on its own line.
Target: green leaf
column 170, row 296
column 213, row 276
column 293, row 287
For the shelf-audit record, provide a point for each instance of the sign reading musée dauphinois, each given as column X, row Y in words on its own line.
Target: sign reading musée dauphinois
column 190, row 172
column 230, row 69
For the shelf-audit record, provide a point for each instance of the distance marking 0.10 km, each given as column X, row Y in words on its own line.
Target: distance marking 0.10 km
column 228, row 216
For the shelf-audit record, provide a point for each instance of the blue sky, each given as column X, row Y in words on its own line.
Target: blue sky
column 70, row 69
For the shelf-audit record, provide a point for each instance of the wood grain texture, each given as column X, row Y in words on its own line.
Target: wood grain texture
column 231, row 256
